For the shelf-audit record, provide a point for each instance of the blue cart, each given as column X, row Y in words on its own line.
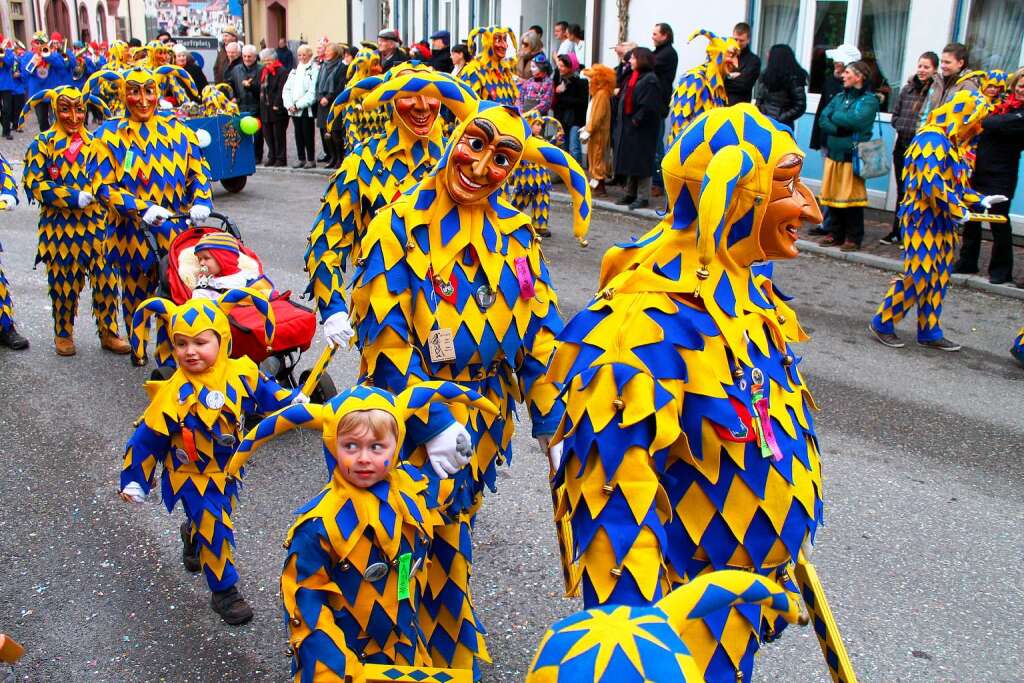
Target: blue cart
column 230, row 152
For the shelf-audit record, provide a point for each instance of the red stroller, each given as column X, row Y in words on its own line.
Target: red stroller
column 295, row 325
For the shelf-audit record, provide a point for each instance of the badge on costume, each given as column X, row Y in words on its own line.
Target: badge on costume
column 214, row 400
column 54, row 172
column 446, row 289
column 441, row 345
column 485, row 297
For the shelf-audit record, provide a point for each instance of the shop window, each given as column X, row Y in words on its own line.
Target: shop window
column 994, row 34
column 829, row 31
column 883, row 33
column 779, row 23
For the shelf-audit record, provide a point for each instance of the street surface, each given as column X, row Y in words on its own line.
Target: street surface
column 920, row 555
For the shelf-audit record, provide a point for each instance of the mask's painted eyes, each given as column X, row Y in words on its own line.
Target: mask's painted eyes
column 501, row 160
column 476, row 144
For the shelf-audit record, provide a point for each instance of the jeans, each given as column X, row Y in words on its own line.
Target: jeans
column 575, row 146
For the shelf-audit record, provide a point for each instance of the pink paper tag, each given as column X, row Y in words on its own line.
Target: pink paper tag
column 766, row 426
column 525, row 278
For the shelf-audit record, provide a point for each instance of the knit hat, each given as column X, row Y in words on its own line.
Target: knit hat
column 224, row 249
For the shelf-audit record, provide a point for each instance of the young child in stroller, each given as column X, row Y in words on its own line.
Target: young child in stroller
column 217, row 264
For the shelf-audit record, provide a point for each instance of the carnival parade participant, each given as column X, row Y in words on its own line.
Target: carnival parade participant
column 360, row 124
column 491, row 76
column 703, row 87
column 452, row 286
column 149, row 168
column 354, row 574
column 597, row 133
column 688, row 440
column 60, row 174
column 529, row 190
column 192, row 426
column 42, row 68
column 372, row 175
column 938, row 197
column 1017, row 350
column 9, row 336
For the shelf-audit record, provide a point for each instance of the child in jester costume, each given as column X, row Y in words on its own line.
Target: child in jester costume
column 355, row 571
column 373, row 175
column 937, row 199
column 192, row 425
column 149, row 168
column 9, row 335
column 530, row 188
column 703, row 87
column 688, row 440
column 452, row 286
column 60, row 174
column 359, row 124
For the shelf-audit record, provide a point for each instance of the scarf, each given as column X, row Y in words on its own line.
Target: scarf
column 630, row 87
column 1011, row 103
column 271, row 68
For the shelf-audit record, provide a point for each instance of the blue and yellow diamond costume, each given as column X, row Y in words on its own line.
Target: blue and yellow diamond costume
column 72, row 240
column 193, row 423
column 359, row 124
column 475, row 270
column 372, row 175
column 142, row 163
column 937, row 198
column 491, row 77
column 337, row 617
column 702, row 87
column 9, row 188
column 1017, row 349
column 688, row 440
column 530, row 189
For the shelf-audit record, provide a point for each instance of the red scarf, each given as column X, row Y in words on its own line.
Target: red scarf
column 272, row 68
column 630, row 87
column 1011, row 103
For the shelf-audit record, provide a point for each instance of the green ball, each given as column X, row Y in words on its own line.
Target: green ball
column 249, row 125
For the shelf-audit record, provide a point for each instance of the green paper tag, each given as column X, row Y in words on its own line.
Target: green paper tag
column 404, row 563
column 129, row 159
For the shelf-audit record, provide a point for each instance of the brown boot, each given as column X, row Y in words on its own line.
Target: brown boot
column 111, row 342
column 599, row 190
column 65, row 346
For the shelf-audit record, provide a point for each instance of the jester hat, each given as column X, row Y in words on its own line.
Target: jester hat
column 198, row 315
column 486, row 35
column 960, row 118
column 534, row 116
column 216, row 99
column 617, row 643
column 365, row 63
column 414, row 401
column 718, row 47
column 996, row 77
column 169, row 78
column 51, row 95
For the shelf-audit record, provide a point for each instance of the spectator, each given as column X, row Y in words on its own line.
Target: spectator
column 285, row 54
column 622, row 73
column 299, row 99
column 578, row 46
column 740, row 84
column 572, row 95
column 234, row 56
column 164, row 37
column 388, row 43
column 441, row 53
column 597, row 132
column 847, row 120
column 460, row 56
column 420, row 52
column 538, row 30
column 780, row 89
column 184, row 59
column 529, row 47
column 244, row 79
column 995, row 172
column 272, row 110
column 878, row 83
column 906, row 119
column 953, row 64
column 665, row 63
column 562, row 37
column 135, row 42
column 329, row 84
column 641, row 110
column 220, row 67
column 537, row 92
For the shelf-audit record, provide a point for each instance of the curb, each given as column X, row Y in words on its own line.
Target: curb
column 873, row 260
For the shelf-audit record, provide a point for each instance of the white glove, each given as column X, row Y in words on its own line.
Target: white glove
column 8, row 200
column 555, row 455
column 449, row 451
column 584, row 135
column 155, row 215
column 85, row 199
column 134, row 491
column 300, row 398
column 199, row 213
column 991, row 199
column 338, row 330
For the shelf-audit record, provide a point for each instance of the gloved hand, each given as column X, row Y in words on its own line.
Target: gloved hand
column 554, row 453
column 155, row 215
column 9, row 201
column 991, row 199
column 300, row 398
column 338, row 330
column 584, row 135
column 199, row 213
column 85, row 199
column 450, row 450
column 132, row 492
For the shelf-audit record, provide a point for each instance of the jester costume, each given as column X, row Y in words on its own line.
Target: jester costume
column 60, row 174
column 490, row 73
column 8, row 196
column 216, row 99
column 355, row 571
column 937, row 198
column 360, row 124
column 703, row 87
column 1017, row 350
column 458, row 290
column 529, row 190
column 688, row 440
column 147, row 161
column 192, row 425
column 374, row 173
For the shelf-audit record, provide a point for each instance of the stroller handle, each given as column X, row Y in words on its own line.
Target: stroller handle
column 226, row 224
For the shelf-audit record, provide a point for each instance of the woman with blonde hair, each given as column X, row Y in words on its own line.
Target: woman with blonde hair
column 299, row 98
column 529, row 47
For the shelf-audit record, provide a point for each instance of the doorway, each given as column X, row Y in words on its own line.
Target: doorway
column 83, row 24
column 277, row 23
column 58, row 18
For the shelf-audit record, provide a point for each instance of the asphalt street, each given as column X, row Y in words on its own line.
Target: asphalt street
column 922, row 455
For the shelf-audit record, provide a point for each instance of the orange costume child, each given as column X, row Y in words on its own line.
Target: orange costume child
column 598, row 131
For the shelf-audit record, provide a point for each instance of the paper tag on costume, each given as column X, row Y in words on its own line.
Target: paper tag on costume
column 441, row 345
column 525, row 277
column 214, row 400
column 129, row 160
column 404, row 563
column 71, row 153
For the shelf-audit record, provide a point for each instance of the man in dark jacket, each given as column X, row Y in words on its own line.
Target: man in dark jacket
column 666, row 61
column 244, row 79
column 330, row 81
column 285, row 55
column 441, row 52
column 223, row 62
column 740, row 84
column 388, row 44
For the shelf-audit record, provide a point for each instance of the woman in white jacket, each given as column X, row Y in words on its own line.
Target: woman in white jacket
column 299, row 99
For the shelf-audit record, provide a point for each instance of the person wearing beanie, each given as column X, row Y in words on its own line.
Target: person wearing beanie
column 221, row 265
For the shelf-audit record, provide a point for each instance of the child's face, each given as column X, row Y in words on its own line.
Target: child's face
column 196, row 354
column 207, row 261
column 364, row 458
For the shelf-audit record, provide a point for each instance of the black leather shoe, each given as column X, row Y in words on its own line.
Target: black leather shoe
column 625, row 201
column 639, row 204
column 12, row 340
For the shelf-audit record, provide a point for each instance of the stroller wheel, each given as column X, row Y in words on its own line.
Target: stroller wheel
column 161, row 374
column 271, row 366
column 325, row 390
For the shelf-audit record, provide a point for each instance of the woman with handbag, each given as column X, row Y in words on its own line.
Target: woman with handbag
column 847, row 120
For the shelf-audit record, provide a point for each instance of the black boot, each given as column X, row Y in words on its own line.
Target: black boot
column 12, row 340
column 189, row 549
column 231, row 607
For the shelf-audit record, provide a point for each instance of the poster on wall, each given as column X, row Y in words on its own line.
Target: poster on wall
column 190, row 17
